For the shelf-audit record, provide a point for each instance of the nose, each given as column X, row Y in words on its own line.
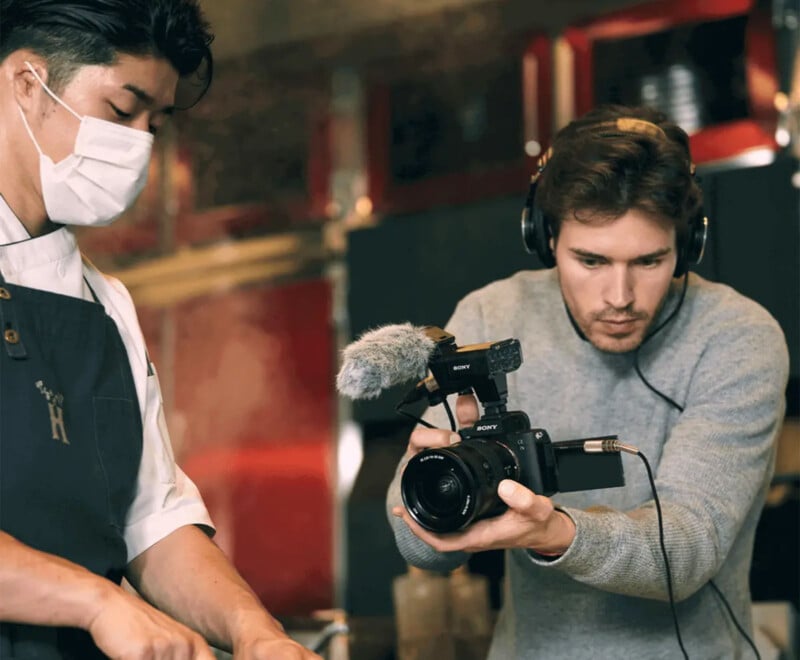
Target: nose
column 140, row 122
column 618, row 292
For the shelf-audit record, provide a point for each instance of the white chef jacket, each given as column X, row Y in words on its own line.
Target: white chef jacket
column 165, row 497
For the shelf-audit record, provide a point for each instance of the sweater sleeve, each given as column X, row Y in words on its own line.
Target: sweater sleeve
column 716, row 464
column 465, row 324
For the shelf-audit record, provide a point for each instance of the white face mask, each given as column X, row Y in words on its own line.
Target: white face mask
column 103, row 175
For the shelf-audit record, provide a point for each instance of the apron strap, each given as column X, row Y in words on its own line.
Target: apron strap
column 88, row 264
column 91, row 290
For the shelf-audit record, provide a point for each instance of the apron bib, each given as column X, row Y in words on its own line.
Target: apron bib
column 70, row 446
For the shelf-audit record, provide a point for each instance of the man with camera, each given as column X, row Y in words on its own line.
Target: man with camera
column 89, row 490
column 618, row 338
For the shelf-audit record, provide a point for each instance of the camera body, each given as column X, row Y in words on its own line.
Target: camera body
column 531, row 448
column 446, row 489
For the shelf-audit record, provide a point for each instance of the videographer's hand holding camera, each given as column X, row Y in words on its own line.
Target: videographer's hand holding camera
column 531, row 521
column 467, row 413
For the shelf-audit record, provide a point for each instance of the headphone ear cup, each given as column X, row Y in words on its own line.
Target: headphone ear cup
column 541, row 238
column 691, row 251
column 536, row 231
column 680, row 263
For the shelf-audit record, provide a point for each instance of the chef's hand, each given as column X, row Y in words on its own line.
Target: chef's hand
column 126, row 628
column 257, row 636
column 273, row 649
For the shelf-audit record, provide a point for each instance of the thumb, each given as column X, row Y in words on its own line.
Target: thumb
column 516, row 495
column 467, row 412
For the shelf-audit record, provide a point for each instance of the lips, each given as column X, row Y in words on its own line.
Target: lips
column 619, row 326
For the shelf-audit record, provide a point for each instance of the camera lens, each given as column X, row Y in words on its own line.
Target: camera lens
column 441, row 495
column 448, row 488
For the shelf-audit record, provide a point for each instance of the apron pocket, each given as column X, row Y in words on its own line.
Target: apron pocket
column 119, row 449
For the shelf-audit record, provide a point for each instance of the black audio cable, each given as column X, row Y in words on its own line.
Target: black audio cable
column 605, row 446
column 634, row 450
column 613, row 445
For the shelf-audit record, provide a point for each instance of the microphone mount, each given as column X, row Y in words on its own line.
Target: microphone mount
column 481, row 368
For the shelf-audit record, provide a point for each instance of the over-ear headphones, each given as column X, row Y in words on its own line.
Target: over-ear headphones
column 536, row 230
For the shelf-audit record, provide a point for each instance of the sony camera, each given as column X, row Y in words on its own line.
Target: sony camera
column 448, row 488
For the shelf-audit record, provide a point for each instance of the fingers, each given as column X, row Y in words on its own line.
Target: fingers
column 274, row 649
column 440, row 543
column 166, row 646
column 424, row 438
column 475, row 538
column 130, row 629
column 530, row 522
column 202, row 651
column 467, row 412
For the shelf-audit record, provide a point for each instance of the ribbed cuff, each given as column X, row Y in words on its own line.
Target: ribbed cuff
column 585, row 554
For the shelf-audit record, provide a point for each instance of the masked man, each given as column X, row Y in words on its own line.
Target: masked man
column 89, row 490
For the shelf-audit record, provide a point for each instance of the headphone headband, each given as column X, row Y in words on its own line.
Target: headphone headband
column 623, row 125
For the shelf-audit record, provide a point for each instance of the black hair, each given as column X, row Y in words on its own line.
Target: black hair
column 597, row 174
column 69, row 34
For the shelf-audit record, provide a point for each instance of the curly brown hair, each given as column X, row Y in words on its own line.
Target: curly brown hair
column 600, row 168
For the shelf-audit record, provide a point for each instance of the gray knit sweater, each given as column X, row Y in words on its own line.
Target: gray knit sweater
column 724, row 359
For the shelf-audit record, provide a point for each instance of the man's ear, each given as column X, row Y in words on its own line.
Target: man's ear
column 552, row 245
column 26, row 89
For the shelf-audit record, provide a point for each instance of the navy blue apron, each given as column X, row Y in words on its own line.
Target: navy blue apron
column 70, row 446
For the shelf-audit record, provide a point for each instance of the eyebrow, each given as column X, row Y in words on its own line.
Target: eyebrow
column 578, row 252
column 144, row 97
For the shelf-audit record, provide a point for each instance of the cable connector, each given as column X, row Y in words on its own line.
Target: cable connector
column 607, row 446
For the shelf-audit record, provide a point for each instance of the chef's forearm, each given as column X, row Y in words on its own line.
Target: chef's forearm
column 43, row 589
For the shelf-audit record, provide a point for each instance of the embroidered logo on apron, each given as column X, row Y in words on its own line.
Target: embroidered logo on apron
column 55, row 404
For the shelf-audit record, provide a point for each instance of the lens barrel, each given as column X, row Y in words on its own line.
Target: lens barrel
column 448, row 488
